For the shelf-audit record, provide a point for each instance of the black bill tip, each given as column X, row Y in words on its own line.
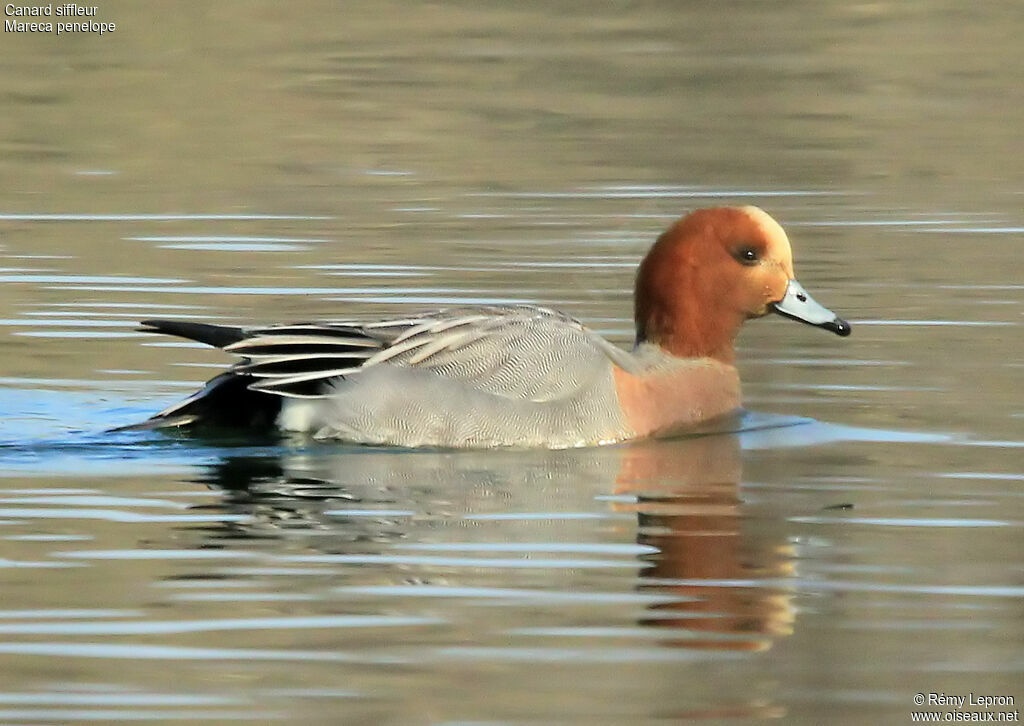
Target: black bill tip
column 836, row 325
column 839, row 326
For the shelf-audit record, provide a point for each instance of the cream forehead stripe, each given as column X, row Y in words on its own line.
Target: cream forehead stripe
column 772, row 229
column 778, row 242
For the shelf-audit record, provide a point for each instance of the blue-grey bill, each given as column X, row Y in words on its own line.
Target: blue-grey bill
column 798, row 305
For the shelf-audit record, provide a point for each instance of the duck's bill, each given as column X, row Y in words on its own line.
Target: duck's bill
column 798, row 305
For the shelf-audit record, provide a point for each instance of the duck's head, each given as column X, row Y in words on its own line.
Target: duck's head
column 711, row 271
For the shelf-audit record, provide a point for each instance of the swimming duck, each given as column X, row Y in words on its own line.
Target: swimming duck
column 517, row 375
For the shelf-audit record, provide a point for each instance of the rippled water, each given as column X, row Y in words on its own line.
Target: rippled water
column 856, row 539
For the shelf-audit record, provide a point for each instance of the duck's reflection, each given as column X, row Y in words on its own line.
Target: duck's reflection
column 689, row 509
column 713, row 569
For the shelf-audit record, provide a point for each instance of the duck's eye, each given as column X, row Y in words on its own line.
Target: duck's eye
column 747, row 255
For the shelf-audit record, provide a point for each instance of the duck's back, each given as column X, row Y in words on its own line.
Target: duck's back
column 480, row 376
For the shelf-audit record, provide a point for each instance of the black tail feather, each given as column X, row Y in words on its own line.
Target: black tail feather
column 216, row 335
column 225, row 402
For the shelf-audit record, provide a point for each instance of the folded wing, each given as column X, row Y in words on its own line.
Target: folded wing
column 521, row 353
column 518, row 352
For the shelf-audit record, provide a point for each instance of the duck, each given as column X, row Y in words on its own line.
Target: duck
column 487, row 376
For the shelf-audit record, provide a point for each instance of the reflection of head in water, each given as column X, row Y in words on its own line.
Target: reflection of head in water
column 687, row 507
